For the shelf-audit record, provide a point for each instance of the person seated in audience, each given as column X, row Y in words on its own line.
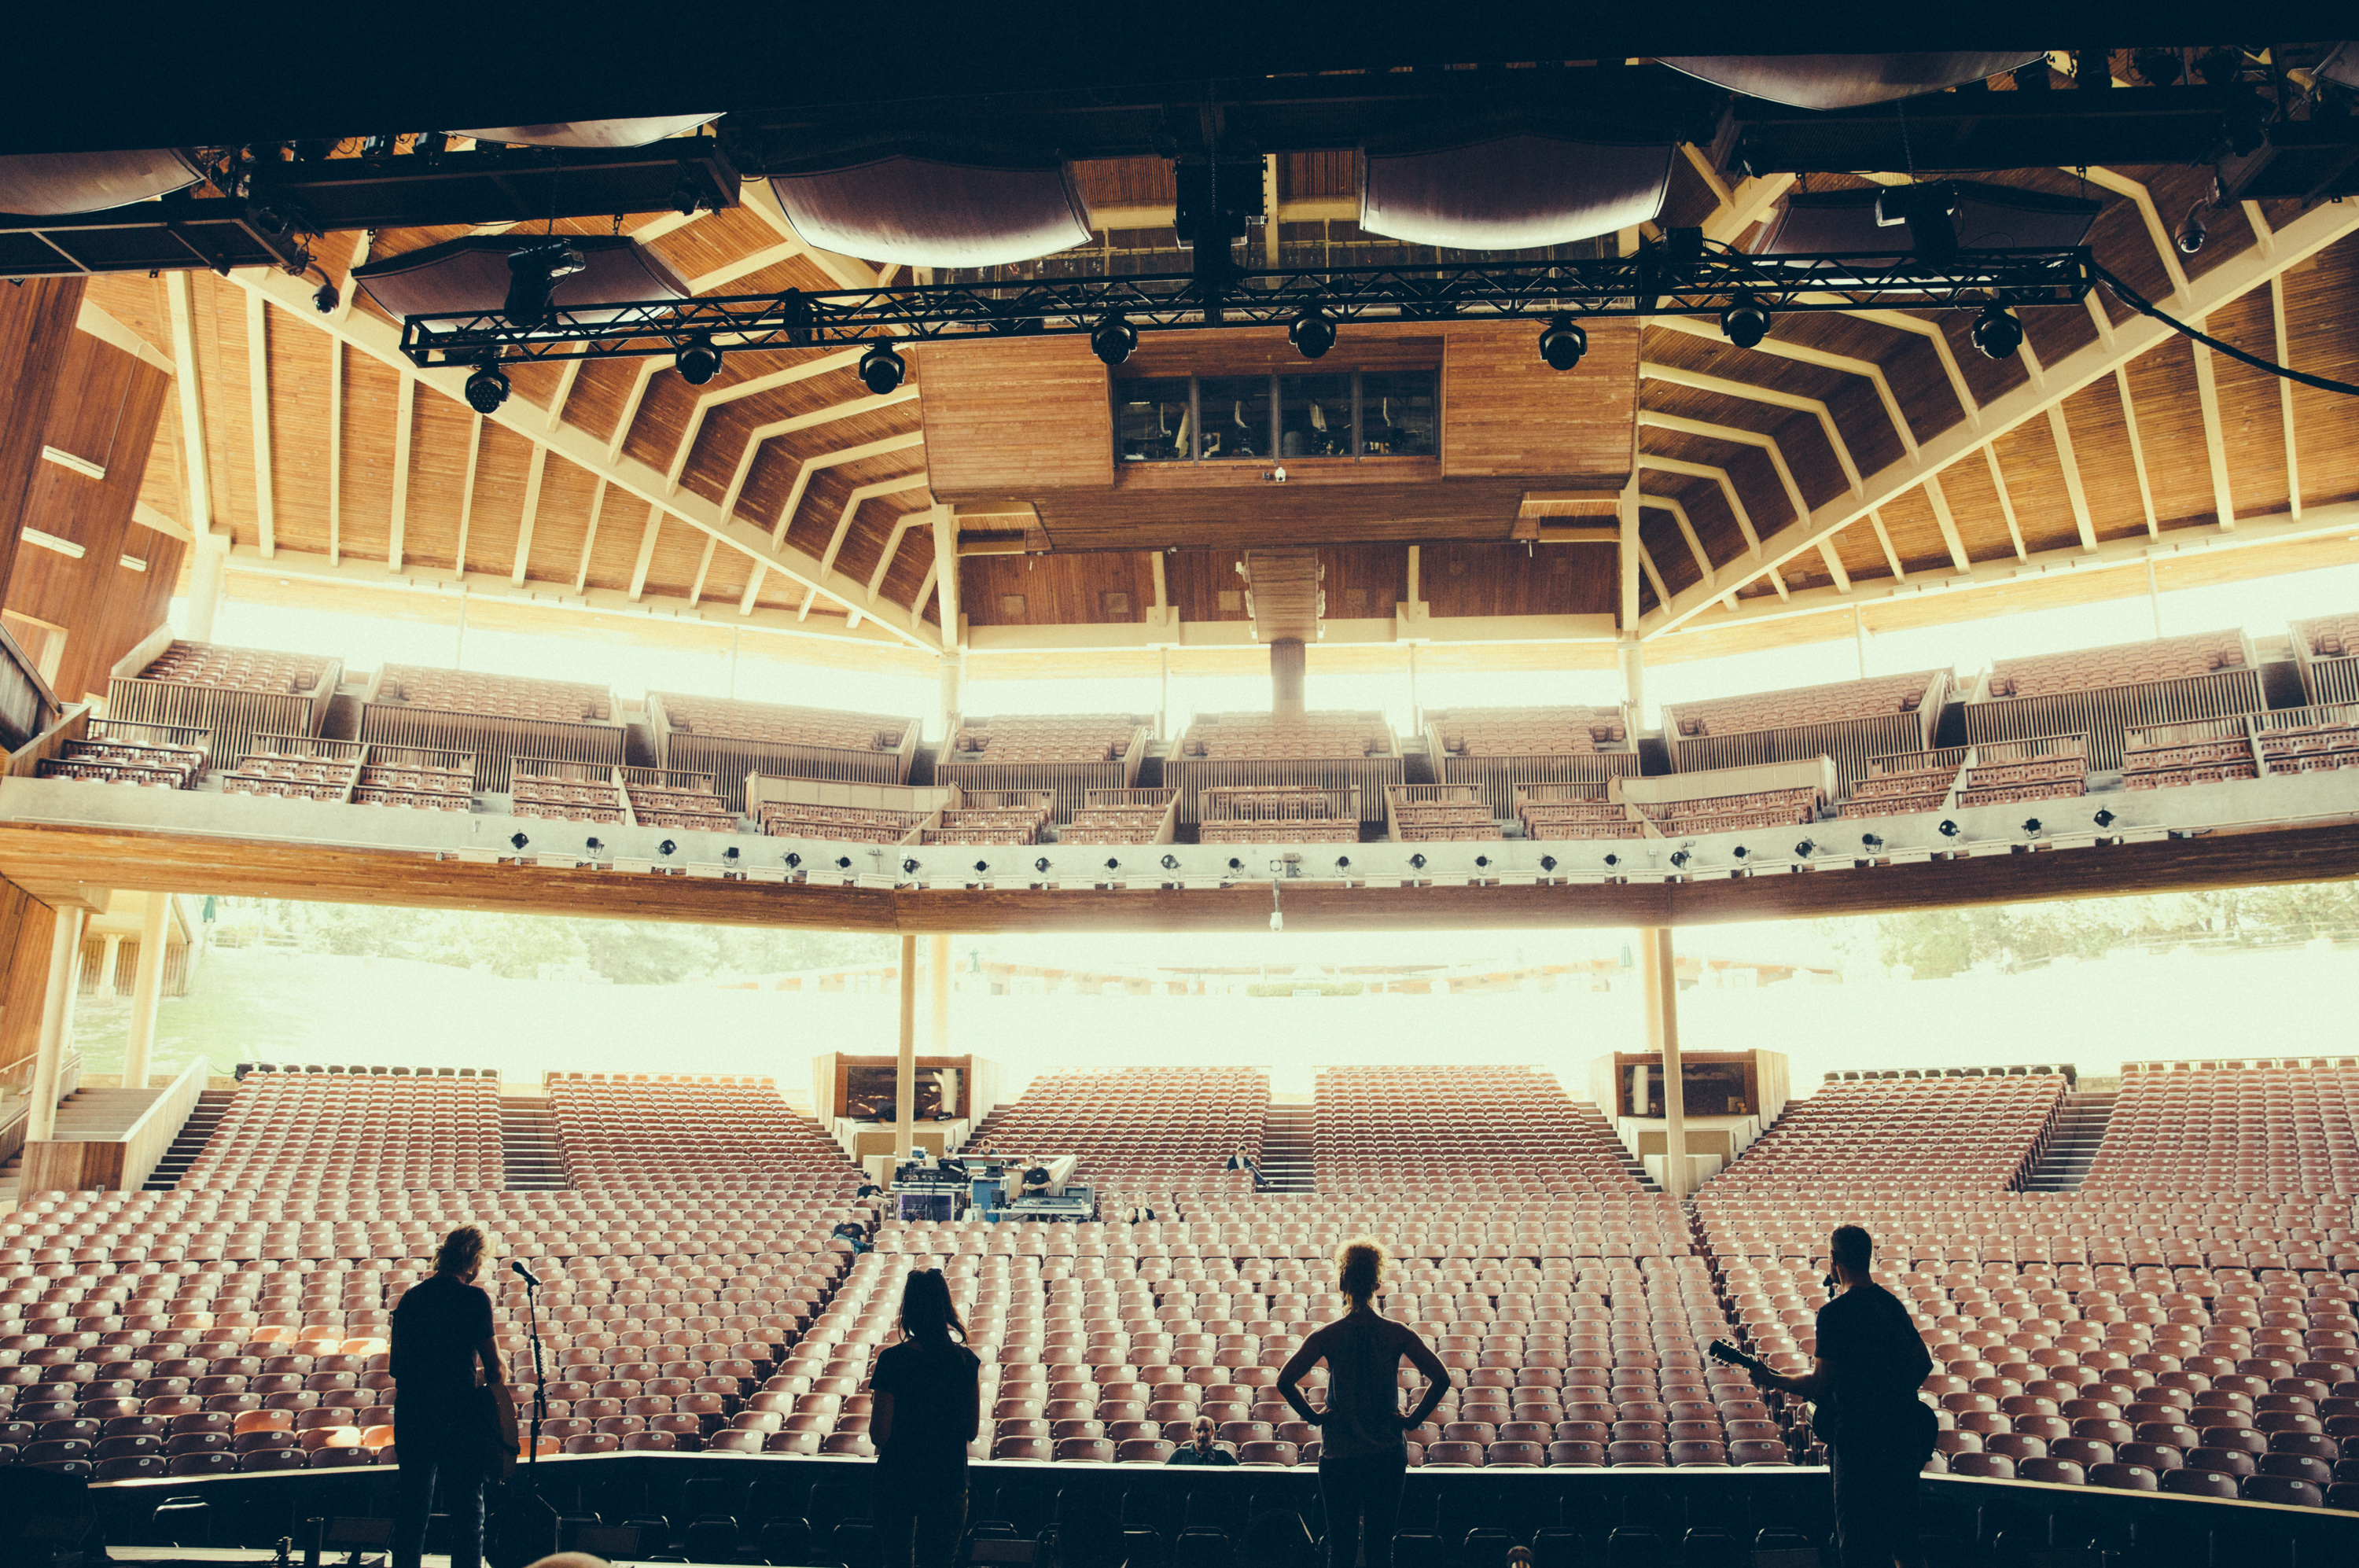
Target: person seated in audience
column 852, row 1232
column 451, row 1433
column 926, row 1408
column 1035, row 1181
column 1870, row 1363
column 1200, row 1449
column 1362, row 1453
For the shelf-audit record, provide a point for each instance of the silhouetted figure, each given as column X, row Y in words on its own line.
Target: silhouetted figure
column 451, row 1433
column 1871, row 1362
column 1363, row 1454
column 926, row 1409
column 1201, row 1449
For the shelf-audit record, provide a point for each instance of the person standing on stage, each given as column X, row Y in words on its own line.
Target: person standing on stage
column 926, row 1407
column 1871, row 1361
column 1363, row 1448
column 450, row 1432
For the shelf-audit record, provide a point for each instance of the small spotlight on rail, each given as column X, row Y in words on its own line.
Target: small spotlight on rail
column 1998, row 333
column 1114, row 338
column 533, row 277
column 699, row 361
column 2190, row 235
column 592, row 846
column 1548, row 863
column 1416, row 862
column 882, row 368
column 1612, row 860
column 2104, row 818
column 1169, row 863
column 1871, row 842
column 1949, row 828
column 1041, row 865
column 2033, row 827
column 1679, row 858
column 1563, row 342
column 1746, row 321
column 1312, row 332
column 909, row 868
column 518, row 841
column 325, row 299
column 487, row 388
column 666, row 847
column 1804, row 850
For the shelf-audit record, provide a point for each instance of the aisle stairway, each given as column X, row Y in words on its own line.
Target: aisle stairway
column 2081, row 1124
column 195, row 1133
column 86, row 1115
column 528, row 1146
column 1285, row 1155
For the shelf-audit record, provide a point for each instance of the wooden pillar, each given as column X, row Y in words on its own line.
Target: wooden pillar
column 207, row 569
column 951, row 675
column 107, row 965
column 937, row 995
column 1658, row 973
column 1287, row 660
column 905, row 1077
column 41, row 1108
column 1634, row 681
column 147, row 991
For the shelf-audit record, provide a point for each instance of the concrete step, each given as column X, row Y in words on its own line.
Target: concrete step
column 530, row 1148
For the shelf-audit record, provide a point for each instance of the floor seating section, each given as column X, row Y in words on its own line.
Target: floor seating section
column 1511, row 1129
column 2011, row 771
column 129, row 757
column 564, row 792
column 2183, row 1320
column 292, row 776
column 421, row 780
column 1005, row 816
column 623, row 1131
column 313, row 1132
column 494, row 696
column 683, row 801
column 1528, row 732
column 1279, row 813
column 1913, row 781
column 852, row 824
column 1574, row 812
column 2311, row 740
column 1916, row 1135
column 1736, row 813
column 1808, row 706
column 2169, row 756
column 1434, row 813
column 1265, row 737
column 1044, row 737
column 238, row 668
column 1145, row 1135
column 780, row 723
column 2124, row 664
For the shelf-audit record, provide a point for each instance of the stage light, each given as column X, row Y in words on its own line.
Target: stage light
column 881, row 369
column 1998, row 333
column 1679, row 857
column 1041, row 865
column 1949, row 828
column 2031, row 827
column 1612, row 860
column 698, row 361
column 1113, row 338
column 487, row 388
column 666, row 847
column 1745, row 322
column 325, row 299
column 1482, row 863
column 1236, row 866
column 1169, row 863
column 1563, row 342
column 2190, row 235
column 1312, row 332
column 592, row 846
column 533, row 277
column 2104, row 818
column 432, row 144
column 793, row 860
column 1548, row 861
column 843, row 861
column 729, row 854
column 1739, row 852
column 909, row 868
column 981, row 866
column 1416, row 862
column 1342, row 863
column 1805, row 849
column 518, row 841
column 1870, row 842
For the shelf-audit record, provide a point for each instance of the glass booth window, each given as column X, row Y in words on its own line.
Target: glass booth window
column 1235, row 411
column 1153, row 421
column 1314, row 416
column 1396, row 414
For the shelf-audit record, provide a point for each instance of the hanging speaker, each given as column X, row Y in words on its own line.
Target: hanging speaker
column 1512, row 188
column 592, row 133
column 1846, row 80
column 51, row 184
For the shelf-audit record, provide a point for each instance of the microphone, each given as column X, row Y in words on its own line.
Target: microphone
column 524, row 1273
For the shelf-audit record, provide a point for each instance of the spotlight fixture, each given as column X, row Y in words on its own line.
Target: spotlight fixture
column 1740, row 852
column 666, row 847
column 881, row 369
column 1805, row 849
column 1746, row 322
column 1612, row 860
column 1949, row 828
column 487, row 388
column 729, row 854
column 1998, row 333
column 592, row 846
column 1114, row 338
column 1482, row 862
column 1041, row 865
column 1342, row 863
column 981, row 866
column 1417, row 861
column 1112, row 863
column 1169, row 863
column 1548, row 861
column 1870, row 842
column 1563, row 342
column 519, row 841
column 2190, row 235
column 698, row 362
column 1236, row 866
column 793, row 860
column 2031, row 827
column 843, row 861
column 2104, row 818
column 1679, row 858
column 325, row 299
column 909, row 868
column 533, row 277
column 432, row 144
column 1312, row 332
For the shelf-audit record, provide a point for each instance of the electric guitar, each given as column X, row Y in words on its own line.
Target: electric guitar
column 1721, row 1350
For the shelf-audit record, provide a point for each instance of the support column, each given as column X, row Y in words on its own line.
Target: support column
column 1163, row 701
column 1859, row 639
column 1659, row 973
column 1287, row 660
column 1634, row 680
column 905, row 1075
column 106, row 987
column 950, row 671
column 1416, row 708
column 938, row 995
column 41, row 1107
column 207, row 566
column 2154, row 597
column 147, row 991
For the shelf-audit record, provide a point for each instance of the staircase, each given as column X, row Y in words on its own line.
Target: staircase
column 96, row 1116
column 1285, row 1157
column 2080, row 1127
column 529, row 1147
column 194, row 1135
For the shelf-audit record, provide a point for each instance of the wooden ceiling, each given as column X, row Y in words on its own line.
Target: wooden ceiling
column 1852, row 460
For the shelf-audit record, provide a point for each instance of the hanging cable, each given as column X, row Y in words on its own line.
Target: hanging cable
column 2145, row 306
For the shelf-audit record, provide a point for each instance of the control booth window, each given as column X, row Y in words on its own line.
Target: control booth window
column 1259, row 418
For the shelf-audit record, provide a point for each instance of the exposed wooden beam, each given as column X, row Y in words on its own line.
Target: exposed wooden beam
column 405, row 406
column 647, row 550
column 752, row 387
column 745, row 265
column 1745, row 391
column 1835, row 565
column 335, row 450
column 1745, row 206
column 2156, row 230
column 946, row 572
column 1939, row 342
column 1938, row 499
column 1654, row 575
column 467, row 494
column 2005, row 499
column 2215, row 437
column 703, row 570
column 589, row 538
column 811, row 466
column 2075, row 493
column 1737, row 435
column 257, row 386
column 2137, row 447
column 2284, row 395
column 762, row 434
column 923, row 518
column 2236, row 275
column 1801, row 353
column 188, row 380
column 843, row 521
column 1717, row 475
column 532, row 518
column 621, row 435
column 566, row 377
column 1884, row 541
column 351, row 292
column 1705, row 570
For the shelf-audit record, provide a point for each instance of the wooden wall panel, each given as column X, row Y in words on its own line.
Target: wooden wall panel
column 37, row 331
column 566, row 495
column 1511, row 579
column 438, row 481
column 1364, row 581
column 1007, row 420
column 2250, row 415
column 372, row 407
column 1204, row 585
column 2171, row 429
column 1504, row 413
column 503, row 470
column 2318, row 327
column 27, row 927
column 301, row 357
column 218, row 324
column 1060, row 590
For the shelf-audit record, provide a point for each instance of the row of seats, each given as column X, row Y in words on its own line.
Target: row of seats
column 156, row 764
column 779, row 724
column 1113, row 825
column 1838, row 702
column 1736, row 813
column 288, row 1132
column 684, row 800
column 438, row 782
column 1023, row 818
column 1925, row 1135
column 1277, row 813
column 1562, row 731
column 1055, row 738
column 1310, row 736
column 2044, row 770
column 561, row 797
column 240, row 668
column 2234, row 1130
column 493, row 696
column 292, row 776
column 1426, row 813
column 1141, row 1134
column 1915, row 781
column 854, row 824
column 2122, row 664
column 1377, row 1127
column 638, row 1128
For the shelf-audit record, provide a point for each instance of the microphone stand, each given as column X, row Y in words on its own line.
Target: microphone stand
column 540, row 1405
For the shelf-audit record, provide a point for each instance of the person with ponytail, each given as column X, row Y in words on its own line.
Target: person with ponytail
column 926, row 1407
column 1363, row 1448
column 450, row 1432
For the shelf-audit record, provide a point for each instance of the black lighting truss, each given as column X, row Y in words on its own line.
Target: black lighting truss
column 1646, row 284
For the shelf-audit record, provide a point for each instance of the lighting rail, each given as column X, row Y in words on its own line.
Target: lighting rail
column 1653, row 282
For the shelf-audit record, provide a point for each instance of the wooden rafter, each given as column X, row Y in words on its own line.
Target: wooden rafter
column 257, row 386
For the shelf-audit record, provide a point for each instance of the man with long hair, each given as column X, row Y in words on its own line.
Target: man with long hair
column 450, row 1431
column 926, row 1407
